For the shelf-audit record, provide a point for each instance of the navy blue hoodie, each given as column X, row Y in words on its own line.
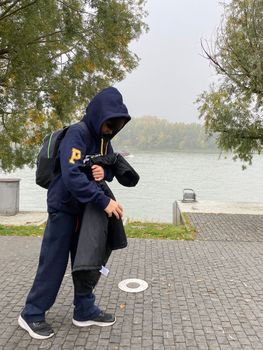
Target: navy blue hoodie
column 71, row 189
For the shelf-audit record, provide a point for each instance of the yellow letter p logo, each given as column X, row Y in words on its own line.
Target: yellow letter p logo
column 76, row 155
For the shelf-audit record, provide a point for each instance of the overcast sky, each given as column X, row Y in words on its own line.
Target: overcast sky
column 172, row 71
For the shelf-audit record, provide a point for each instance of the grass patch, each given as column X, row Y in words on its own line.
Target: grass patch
column 188, row 225
column 152, row 230
column 133, row 229
column 32, row 231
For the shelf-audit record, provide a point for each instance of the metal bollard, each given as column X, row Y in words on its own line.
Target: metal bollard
column 9, row 196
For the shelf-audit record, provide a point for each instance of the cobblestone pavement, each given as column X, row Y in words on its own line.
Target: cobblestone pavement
column 203, row 294
column 228, row 227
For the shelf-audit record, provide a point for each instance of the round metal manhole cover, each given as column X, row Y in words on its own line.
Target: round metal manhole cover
column 133, row 285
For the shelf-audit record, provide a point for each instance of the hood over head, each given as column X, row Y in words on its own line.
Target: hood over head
column 107, row 104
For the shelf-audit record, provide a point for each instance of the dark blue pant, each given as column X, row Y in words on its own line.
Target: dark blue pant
column 59, row 241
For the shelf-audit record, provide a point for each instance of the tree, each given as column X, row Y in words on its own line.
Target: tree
column 233, row 107
column 54, row 56
column 155, row 134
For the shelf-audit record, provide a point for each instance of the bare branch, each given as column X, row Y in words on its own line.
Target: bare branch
column 75, row 9
column 66, row 51
column 224, row 71
column 9, row 8
column 213, row 60
column 44, row 36
column 230, row 48
column 3, row 52
column 2, row 3
column 253, row 20
column 3, row 120
column 6, row 14
column 241, row 134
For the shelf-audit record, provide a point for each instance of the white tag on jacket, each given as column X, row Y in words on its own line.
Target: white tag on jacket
column 104, row 271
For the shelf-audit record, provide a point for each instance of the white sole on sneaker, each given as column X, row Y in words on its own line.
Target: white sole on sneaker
column 22, row 323
column 92, row 323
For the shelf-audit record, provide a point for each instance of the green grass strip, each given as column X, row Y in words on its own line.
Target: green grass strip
column 135, row 229
column 153, row 230
column 32, row 231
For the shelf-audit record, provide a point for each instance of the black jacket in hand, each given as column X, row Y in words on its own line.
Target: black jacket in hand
column 99, row 235
column 121, row 169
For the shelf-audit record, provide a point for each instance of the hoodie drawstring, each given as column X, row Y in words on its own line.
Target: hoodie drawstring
column 102, row 150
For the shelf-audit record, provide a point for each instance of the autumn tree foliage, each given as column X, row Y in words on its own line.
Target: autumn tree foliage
column 54, row 56
column 233, row 107
column 155, row 134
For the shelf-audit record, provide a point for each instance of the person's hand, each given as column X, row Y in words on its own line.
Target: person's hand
column 114, row 208
column 97, row 172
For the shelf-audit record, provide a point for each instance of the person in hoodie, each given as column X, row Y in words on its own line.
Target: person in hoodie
column 68, row 193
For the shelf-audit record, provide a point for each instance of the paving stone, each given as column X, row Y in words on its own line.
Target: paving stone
column 205, row 294
column 228, row 227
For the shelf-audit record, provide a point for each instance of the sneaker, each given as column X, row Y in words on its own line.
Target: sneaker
column 37, row 330
column 103, row 320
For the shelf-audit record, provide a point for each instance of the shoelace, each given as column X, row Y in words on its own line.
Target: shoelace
column 41, row 325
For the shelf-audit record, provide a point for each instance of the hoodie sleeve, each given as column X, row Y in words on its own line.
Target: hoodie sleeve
column 72, row 151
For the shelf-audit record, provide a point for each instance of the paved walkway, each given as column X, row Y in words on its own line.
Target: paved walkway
column 25, row 218
column 203, row 294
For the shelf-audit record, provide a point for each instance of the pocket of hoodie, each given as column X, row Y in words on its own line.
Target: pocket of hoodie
column 66, row 199
column 53, row 216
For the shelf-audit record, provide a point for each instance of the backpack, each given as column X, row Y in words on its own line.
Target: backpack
column 47, row 165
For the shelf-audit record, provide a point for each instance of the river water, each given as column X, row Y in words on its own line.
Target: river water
column 163, row 176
